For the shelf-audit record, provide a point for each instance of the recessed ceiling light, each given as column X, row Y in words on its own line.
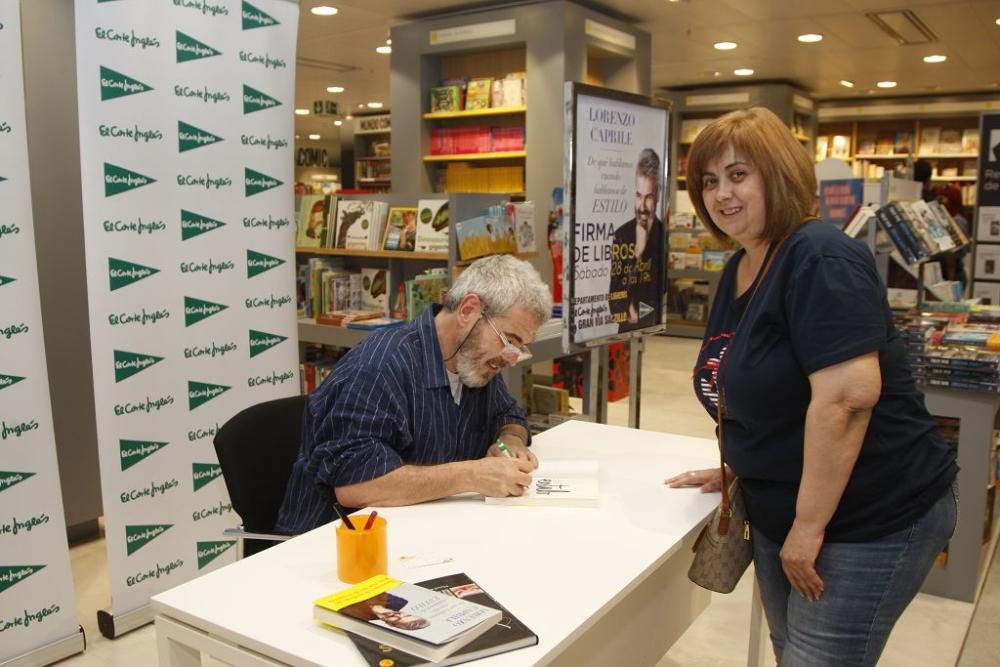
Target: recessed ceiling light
column 335, row 89
column 324, row 10
column 348, row 117
column 389, row 42
column 886, row 84
column 846, row 84
column 724, row 46
column 314, row 137
column 361, row 106
column 302, row 112
column 716, row 73
column 936, row 58
column 384, row 50
column 997, row 21
column 296, row 136
column 338, row 123
column 374, row 105
column 743, row 71
column 810, row 37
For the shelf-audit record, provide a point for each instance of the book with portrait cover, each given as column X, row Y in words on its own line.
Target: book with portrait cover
column 508, row 634
column 425, row 623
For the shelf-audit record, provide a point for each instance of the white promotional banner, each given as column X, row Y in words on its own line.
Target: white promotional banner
column 616, row 272
column 186, row 134
column 37, row 609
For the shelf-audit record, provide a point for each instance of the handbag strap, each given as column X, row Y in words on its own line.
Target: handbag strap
column 727, row 508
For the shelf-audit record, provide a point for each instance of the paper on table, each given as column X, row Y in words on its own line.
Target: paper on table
column 559, row 483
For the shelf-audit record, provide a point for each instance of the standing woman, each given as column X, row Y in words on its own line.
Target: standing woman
column 846, row 479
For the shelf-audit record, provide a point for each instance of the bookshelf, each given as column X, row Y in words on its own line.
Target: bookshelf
column 373, row 152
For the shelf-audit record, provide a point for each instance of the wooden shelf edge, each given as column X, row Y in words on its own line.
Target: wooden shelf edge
column 519, row 255
column 475, row 156
column 379, row 254
column 493, row 111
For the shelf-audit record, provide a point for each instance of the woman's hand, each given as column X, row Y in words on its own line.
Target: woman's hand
column 709, row 480
column 798, row 559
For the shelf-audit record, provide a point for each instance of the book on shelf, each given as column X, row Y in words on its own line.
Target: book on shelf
column 555, row 483
column 477, row 94
column 423, row 291
column 312, row 221
column 884, row 143
column 508, row 634
column 903, row 143
column 970, row 140
column 514, row 90
column 522, row 217
column 400, row 229
column 859, row 220
column 713, row 260
column 930, row 137
column 840, row 146
column 419, row 621
column 446, row 98
column 341, row 318
column 374, row 290
column 951, row 141
column 899, row 233
column 866, row 145
column 432, row 225
column 361, row 225
column 929, row 224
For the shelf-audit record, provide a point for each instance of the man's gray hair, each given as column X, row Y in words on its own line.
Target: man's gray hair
column 649, row 165
column 503, row 282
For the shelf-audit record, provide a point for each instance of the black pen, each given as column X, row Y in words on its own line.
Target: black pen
column 343, row 516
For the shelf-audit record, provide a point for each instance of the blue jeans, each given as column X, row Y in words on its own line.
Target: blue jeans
column 867, row 587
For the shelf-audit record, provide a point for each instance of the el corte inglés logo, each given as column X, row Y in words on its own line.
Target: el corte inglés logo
column 9, row 478
column 200, row 393
column 256, row 182
column 209, row 551
column 196, row 310
column 189, row 48
column 9, row 380
column 5, row 280
column 203, row 473
column 133, row 451
column 190, row 137
column 13, row 574
column 136, row 537
column 258, row 263
column 122, row 273
column 254, row 18
column 128, row 364
column 194, row 224
column 261, row 341
column 255, row 100
column 115, row 84
column 119, row 179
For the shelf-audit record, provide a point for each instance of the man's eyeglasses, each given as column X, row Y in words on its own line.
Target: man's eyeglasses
column 511, row 353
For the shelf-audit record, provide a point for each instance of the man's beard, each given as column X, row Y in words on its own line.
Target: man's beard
column 471, row 363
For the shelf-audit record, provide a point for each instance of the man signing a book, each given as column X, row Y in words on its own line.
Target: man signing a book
column 417, row 412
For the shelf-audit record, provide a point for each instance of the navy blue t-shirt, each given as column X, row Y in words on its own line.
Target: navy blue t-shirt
column 822, row 303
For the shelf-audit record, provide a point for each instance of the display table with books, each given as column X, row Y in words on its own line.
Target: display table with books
column 604, row 585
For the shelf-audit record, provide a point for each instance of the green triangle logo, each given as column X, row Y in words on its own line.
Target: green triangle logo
column 122, row 273
column 200, row 393
column 9, row 380
column 261, row 341
column 6, row 279
column 12, row 574
column 644, row 309
column 254, row 100
column 194, row 224
column 189, row 48
column 209, row 551
column 128, row 364
column 136, row 537
column 190, row 137
column 115, row 84
column 9, row 478
column 256, row 182
column 196, row 310
column 258, row 263
column 2, row 179
column 133, row 451
column 203, row 473
column 119, row 179
column 254, row 18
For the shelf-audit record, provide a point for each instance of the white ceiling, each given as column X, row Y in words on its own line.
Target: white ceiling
column 683, row 32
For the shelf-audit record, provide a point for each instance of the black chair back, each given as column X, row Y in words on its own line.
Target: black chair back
column 256, row 450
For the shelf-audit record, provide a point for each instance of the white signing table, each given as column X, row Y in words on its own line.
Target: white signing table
column 605, row 586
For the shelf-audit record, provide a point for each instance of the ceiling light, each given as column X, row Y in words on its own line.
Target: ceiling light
column 389, row 42
column 716, row 73
column 335, row 89
column 846, row 84
column 810, row 37
column 314, row 137
column 743, row 71
column 384, row 50
column 338, row 123
column 997, row 21
column 374, row 105
column 724, row 46
column 324, row 10
column 886, row 84
column 361, row 106
column 348, row 117
column 935, row 58
column 296, row 136
column 302, row 112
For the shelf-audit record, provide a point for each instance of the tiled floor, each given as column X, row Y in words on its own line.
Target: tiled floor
column 930, row 633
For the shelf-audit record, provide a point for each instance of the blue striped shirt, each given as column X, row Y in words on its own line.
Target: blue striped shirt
column 388, row 403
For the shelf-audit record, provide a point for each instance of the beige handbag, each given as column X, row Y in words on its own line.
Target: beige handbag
column 723, row 550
